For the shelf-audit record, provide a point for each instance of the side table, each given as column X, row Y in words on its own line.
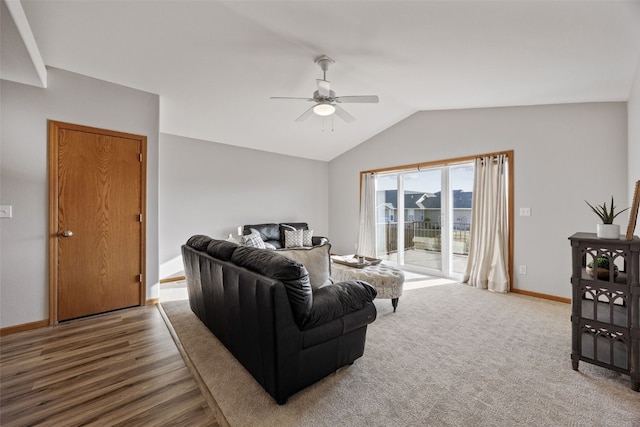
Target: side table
column 605, row 310
column 387, row 280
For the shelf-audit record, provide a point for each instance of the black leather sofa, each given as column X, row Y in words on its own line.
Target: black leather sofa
column 274, row 233
column 261, row 306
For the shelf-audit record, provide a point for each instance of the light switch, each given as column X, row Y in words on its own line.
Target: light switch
column 5, row 211
column 525, row 211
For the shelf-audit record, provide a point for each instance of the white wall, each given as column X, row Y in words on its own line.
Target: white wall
column 210, row 188
column 24, row 111
column 633, row 157
column 564, row 154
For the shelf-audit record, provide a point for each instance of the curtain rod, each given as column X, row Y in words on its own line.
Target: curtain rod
column 447, row 162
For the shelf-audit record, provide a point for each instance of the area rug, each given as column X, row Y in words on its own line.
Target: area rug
column 451, row 355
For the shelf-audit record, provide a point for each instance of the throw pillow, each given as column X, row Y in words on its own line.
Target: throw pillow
column 317, row 261
column 307, row 237
column 253, row 240
column 282, row 229
column 293, row 238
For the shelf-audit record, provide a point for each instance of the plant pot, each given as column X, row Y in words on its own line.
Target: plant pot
column 602, row 273
column 608, row 231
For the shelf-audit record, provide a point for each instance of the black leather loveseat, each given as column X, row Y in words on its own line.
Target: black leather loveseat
column 274, row 234
column 261, row 306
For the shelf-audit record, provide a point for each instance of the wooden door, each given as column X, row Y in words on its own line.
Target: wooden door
column 97, row 197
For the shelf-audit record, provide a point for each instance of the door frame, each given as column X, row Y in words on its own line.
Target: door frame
column 457, row 160
column 53, row 148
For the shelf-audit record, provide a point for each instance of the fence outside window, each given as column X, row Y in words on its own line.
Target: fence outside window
column 422, row 235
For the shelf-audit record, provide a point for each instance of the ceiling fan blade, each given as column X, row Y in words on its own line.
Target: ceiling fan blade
column 340, row 112
column 324, row 87
column 306, row 114
column 362, row 98
column 289, row 97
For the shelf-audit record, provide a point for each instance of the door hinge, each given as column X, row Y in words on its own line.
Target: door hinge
column 140, row 277
column 140, row 157
column 139, row 217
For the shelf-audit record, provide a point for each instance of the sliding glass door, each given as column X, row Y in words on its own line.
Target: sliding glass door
column 423, row 218
column 461, row 196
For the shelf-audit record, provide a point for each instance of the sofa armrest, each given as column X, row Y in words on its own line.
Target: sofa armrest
column 337, row 300
column 319, row 240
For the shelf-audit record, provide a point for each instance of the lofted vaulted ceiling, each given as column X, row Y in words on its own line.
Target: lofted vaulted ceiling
column 215, row 64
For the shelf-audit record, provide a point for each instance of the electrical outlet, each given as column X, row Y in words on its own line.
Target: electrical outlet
column 6, row 211
column 523, row 269
column 525, row 211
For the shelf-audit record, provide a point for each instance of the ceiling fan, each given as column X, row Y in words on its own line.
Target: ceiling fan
column 326, row 101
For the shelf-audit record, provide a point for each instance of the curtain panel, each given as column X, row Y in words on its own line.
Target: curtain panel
column 367, row 228
column 489, row 245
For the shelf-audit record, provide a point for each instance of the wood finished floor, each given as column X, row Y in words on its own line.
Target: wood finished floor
column 116, row 369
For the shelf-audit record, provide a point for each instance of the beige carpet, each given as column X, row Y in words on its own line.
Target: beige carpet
column 451, row 356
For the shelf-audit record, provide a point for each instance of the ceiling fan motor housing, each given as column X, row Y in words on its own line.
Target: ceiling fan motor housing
column 319, row 98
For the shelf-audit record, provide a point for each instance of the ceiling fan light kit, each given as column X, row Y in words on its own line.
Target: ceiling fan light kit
column 326, row 101
column 325, row 109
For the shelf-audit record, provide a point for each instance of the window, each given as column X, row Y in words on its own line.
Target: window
column 432, row 209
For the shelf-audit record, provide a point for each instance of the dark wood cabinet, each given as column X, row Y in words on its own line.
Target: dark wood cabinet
column 605, row 306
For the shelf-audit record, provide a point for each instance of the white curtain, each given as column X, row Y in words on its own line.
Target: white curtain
column 489, row 245
column 367, row 230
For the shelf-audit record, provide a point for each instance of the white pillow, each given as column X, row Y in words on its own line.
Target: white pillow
column 293, row 238
column 253, row 240
column 307, row 237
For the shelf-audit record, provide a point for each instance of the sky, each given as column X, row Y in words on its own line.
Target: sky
column 429, row 181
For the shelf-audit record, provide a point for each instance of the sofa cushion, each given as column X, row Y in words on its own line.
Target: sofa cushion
column 296, row 225
column 293, row 238
column 221, row 249
column 199, row 242
column 317, row 261
column 266, row 231
column 291, row 273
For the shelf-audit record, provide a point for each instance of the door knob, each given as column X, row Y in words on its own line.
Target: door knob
column 67, row 233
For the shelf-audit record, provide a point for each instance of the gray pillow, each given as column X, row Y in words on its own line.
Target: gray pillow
column 317, row 261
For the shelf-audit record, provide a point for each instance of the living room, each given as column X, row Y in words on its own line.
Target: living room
column 576, row 148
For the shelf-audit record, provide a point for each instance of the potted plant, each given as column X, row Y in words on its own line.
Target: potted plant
column 601, row 269
column 607, row 230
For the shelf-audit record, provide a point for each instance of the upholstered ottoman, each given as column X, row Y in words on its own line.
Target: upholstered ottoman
column 388, row 281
